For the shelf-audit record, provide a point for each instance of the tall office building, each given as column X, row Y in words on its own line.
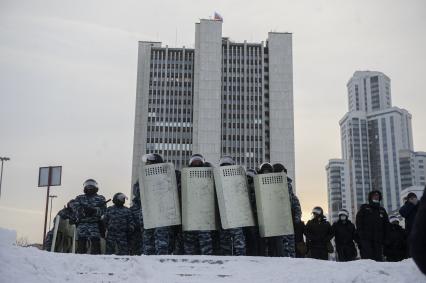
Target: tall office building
column 412, row 167
column 220, row 98
column 338, row 187
column 373, row 135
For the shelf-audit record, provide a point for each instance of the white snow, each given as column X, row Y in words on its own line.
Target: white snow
column 19, row 264
column 7, row 237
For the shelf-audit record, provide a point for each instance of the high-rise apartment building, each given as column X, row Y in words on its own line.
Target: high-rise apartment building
column 219, row 98
column 373, row 135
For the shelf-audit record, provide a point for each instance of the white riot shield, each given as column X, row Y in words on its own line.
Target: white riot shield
column 64, row 236
column 233, row 198
column 198, row 199
column 273, row 205
column 159, row 195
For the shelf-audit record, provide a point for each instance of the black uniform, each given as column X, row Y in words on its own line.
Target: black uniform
column 418, row 236
column 372, row 224
column 318, row 235
column 409, row 211
column 299, row 228
column 396, row 243
column 344, row 236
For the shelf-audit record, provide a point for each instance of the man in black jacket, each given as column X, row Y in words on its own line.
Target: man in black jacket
column 372, row 226
column 409, row 211
column 344, row 235
column 418, row 236
column 396, row 242
column 318, row 235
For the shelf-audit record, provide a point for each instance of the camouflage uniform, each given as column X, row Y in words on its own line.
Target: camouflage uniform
column 156, row 241
column 88, row 209
column 119, row 223
column 136, row 237
column 232, row 242
column 289, row 245
column 49, row 240
column 198, row 242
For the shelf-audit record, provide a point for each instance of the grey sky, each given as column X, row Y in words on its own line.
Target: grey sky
column 68, row 80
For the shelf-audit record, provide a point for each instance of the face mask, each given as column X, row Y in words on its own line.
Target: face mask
column 343, row 217
column 376, row 201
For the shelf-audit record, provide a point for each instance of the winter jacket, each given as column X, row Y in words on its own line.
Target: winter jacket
column 344, row 232
column 418, row 236
column 395, row 248
column 409, row 211
column 372, row 222
column 318, row 233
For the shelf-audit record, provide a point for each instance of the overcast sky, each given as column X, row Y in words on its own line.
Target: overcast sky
column 68, row 81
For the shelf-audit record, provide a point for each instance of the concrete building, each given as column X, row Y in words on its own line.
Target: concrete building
column 220, row 98
column 338, row 179
column 373, row 135
column 412, row 166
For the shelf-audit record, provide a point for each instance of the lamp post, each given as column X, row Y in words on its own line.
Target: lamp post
column 1, row 174
column 51, row 207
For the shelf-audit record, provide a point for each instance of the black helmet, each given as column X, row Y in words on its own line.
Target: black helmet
column 370, row 195
column 208, row 164
column 317, row 210
column 266, row 168
column 90, row 187
column 196, row 160
column 250, row 173
column 278, row 167
column 152, row 158
column 226, row 161
column 119, row 199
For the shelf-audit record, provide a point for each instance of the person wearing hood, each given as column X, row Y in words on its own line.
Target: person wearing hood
column 395, row 248
column 344, row 236
column 318, row 235
column 409, row 211
column 372, row 227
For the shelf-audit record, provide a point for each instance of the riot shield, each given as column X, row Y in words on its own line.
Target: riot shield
column 198, row 199
column 64, row 236
column 233, row 197
column 273, row 205
column 159, row 196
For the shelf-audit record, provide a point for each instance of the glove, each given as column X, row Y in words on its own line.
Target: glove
column 89, row 211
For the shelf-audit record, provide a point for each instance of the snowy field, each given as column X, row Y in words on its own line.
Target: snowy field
column 19, row 264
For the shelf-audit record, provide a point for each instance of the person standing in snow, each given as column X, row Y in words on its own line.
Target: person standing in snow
column 156, row 241
column 197, row 242
column 372, row 225
column 418, row 236
column 135, row 241
column 409, row 211
column 232, row 241
column 318, row 235
column 289, row 246
column 89, row 208
column 344, row 233
column 395, row 248
column 119, row 223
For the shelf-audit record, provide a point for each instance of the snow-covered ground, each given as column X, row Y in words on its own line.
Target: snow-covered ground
column 19, row 264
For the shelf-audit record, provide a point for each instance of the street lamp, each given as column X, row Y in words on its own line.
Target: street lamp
column 1, row 174
column 51, row 207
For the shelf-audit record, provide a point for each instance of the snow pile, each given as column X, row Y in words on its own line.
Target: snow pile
column 19, row 264
column 7, row 237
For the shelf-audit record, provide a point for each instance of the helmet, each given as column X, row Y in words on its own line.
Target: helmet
column 208, row 164
column 317, row 210
column 90, row 187
column 250, row 173
column 119, row 199
column 196, row 160
column 393, row 218
column 152, row 158
column 278, row 167
column 266, row 168
column 343, row 212
column 226, row 161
